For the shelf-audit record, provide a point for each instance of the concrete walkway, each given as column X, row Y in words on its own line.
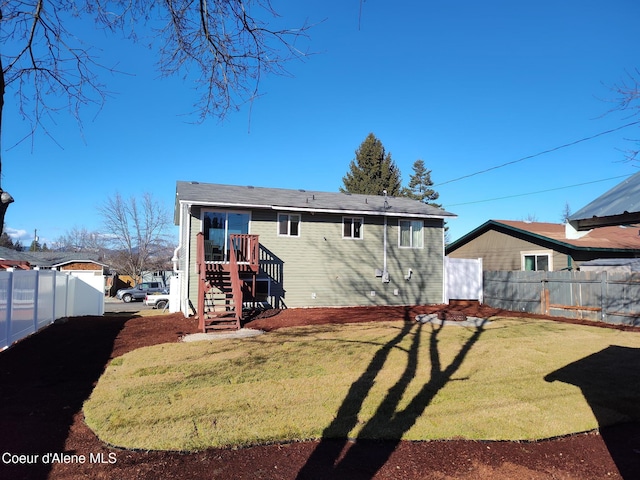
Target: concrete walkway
column 469, row 322
column 242, row 333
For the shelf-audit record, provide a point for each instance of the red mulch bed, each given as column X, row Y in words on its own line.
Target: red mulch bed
column 46, row 378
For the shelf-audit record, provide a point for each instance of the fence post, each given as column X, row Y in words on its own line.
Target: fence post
column 54, row 280
column 36, row 292
column 544, row 297
column 603, row 295
column 9, row 303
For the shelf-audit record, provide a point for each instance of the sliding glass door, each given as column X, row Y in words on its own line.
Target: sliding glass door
column 217, row 226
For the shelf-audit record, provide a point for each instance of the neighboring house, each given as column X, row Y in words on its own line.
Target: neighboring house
column 519, row 245
column 297, row 248
column 10, row 258
column 67, row 261
column 618, row 206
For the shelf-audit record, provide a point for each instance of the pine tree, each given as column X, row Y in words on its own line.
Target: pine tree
column 372, row 171
column 5, row 241
column 35, row 246
column 420, row 185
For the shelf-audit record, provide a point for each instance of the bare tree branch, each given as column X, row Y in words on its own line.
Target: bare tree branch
column 627, row 99
column 136, row 230
column 222, row 46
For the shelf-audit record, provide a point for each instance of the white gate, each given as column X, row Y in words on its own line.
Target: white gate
column 463, row 279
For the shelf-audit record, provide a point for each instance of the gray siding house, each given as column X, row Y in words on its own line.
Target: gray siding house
column 518, row 245
column 298, row 248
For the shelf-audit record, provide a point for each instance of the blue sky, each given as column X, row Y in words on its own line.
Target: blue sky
column 463, row 85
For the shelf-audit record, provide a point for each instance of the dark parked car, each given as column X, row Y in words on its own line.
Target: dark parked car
column 139, row 291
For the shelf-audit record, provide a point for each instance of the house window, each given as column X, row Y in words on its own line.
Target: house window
column 352, row 227
column 535, row 262
column 411, row 233
column 288, row 225
column 217, row 226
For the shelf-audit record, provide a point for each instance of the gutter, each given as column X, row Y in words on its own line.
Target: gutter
column 245, row 206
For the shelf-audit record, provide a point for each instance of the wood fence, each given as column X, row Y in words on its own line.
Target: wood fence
column 604, row 296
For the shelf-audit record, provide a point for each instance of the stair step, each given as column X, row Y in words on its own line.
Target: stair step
column 208, row 328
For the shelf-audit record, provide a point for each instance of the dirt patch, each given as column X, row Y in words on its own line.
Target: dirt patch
column 46, row 378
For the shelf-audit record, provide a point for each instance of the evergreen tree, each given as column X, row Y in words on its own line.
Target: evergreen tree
column 35, row 246
column 5, row 241
column 420, row 185
column 372, row 171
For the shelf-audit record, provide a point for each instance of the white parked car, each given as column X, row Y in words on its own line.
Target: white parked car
column 157, row 300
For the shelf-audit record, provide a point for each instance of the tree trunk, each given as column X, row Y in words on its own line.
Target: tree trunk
column 5, row 198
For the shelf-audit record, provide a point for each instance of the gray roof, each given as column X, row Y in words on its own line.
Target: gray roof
column 619, row 205
column 10, row 254
column 216, row 195
column 49, row 259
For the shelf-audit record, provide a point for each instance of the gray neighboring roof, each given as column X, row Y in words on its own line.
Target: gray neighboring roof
column 49, row 259
column 209, row 194
column 620, row 205
column 56, row 259
column 10, row 254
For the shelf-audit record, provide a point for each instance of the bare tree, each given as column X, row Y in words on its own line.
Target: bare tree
column 136, row 231
column 566, row 213
column 79, row 239
column 227, row 45
column 627, row 99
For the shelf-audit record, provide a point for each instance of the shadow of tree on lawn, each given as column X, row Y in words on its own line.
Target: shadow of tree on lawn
column 338, row 457
column 610, row 380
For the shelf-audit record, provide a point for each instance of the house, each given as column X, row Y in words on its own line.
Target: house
column 520, row 245
column 68, row 261
column 10, row 258
column 299, row 248
column 618, row 206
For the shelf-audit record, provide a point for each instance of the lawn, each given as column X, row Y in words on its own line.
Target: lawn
column 512, row 379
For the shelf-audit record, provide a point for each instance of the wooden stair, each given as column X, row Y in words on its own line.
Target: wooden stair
column 221, row 290
column 219, row 310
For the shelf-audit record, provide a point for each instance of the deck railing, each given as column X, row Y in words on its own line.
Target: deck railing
column 246, row 249
column 243, row 256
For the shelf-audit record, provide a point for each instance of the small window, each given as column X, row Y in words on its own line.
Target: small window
column 288, row 225
column 352, row 227
column 536, row 262
column 411, row 235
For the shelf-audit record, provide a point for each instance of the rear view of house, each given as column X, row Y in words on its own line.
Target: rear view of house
column 297, row 248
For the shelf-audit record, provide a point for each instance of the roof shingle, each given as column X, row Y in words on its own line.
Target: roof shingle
column 315, row 201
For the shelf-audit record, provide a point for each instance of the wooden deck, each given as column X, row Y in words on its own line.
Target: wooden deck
column 221, row 290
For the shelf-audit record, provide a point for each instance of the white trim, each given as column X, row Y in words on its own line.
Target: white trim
column 352, row 217
column 400, row 235
column 537, row 253
column 279, row 208
column 288, row 234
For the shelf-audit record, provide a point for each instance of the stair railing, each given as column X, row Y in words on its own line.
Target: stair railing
column 236, row 284
column 202, row 278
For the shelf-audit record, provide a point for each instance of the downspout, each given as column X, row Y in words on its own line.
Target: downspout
column 385, row 272
column 384, row 256
column 445, row 293
column 175, row 305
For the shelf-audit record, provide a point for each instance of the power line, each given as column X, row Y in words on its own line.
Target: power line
column 540, row 153
column 535, row 193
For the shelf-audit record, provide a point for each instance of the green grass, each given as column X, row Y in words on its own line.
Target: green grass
column 376, row 380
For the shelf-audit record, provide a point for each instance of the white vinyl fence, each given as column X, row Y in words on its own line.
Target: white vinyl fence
column 463, row 279
column 32, row 299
